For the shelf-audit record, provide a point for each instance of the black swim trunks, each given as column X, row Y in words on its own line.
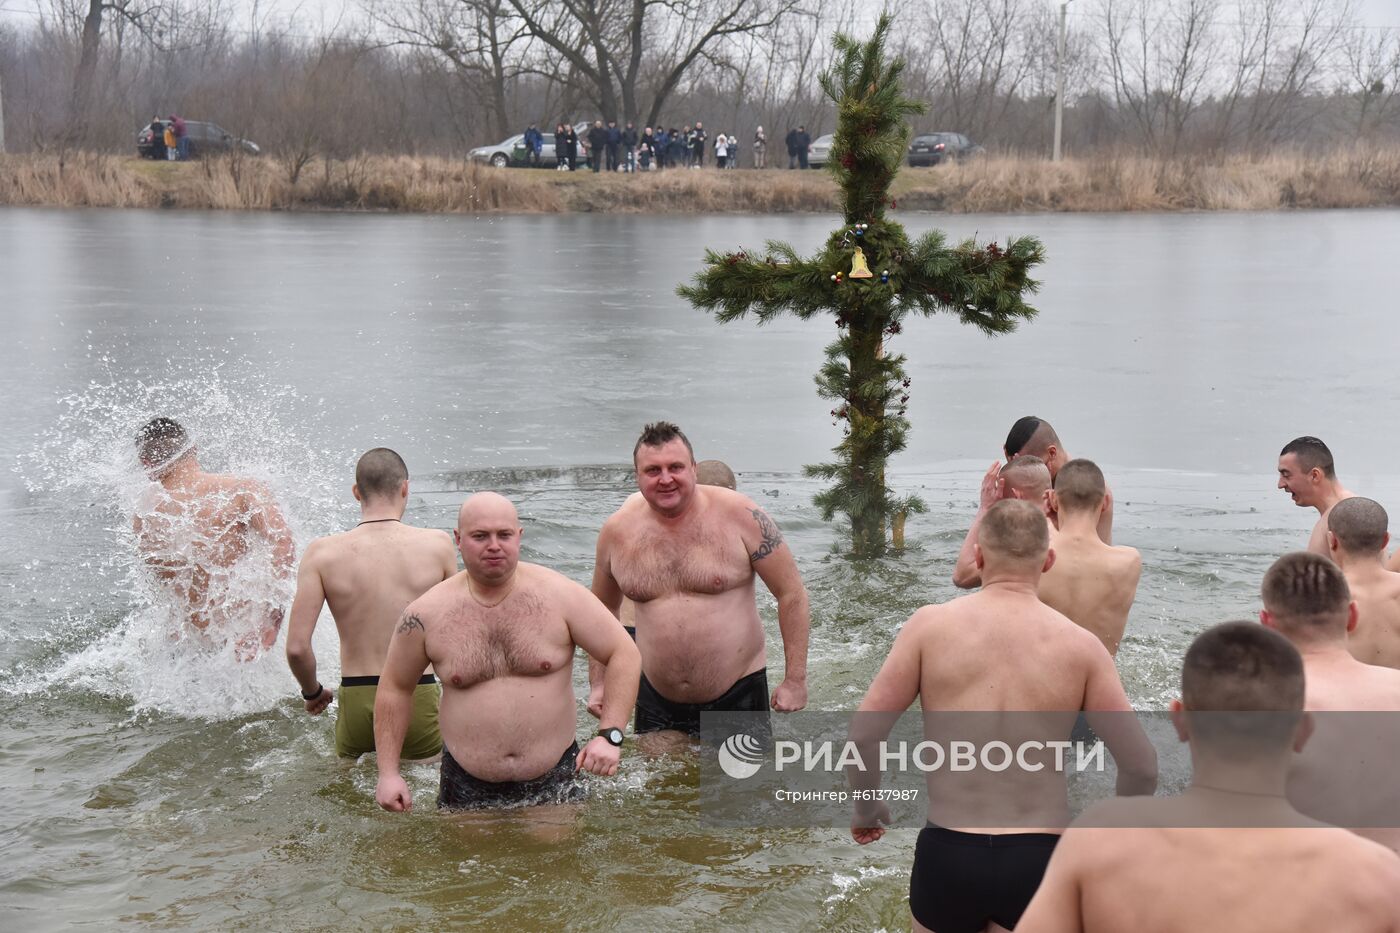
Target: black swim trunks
column 462, row 791
column 655, row 712
column 961, row 881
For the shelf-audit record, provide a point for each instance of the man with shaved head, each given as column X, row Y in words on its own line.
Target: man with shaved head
column 501, row 635
column 1026, row 478
column 1307, row 473
column 1357, row 535
column 1308, row 601
column 1091, row 582
column 1000, row 649
column 1032, row 436
column 688, row 556
column 1230, row 852
column 368, row 575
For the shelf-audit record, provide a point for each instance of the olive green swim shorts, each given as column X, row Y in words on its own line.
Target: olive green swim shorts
column 354, row 724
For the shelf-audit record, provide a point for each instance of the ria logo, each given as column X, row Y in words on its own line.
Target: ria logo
column 740, row 756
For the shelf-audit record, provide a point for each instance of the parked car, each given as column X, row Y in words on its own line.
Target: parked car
column 819, row 151
column 934, row 148
column 204, row 139
column 512, row 151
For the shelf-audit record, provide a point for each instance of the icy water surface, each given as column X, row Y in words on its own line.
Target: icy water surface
column 157, row 788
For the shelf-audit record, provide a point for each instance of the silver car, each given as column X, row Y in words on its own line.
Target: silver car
column 819, row 151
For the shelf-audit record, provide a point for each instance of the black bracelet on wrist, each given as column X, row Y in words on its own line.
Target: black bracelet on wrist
column 320, row 689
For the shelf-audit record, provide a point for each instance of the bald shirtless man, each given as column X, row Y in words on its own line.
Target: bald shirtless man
column 998, row 650
column 1357, row 536
column 501, row 635
column 1307, row 600
column 1307, row 473
column 1027, row 478
column 194, row 528
column 1091, row 582
column 687, row 556
column 1229, row 853
column 368, row 575
column 1035, row 437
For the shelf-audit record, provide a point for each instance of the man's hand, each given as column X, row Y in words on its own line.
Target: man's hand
column 317, row 704
column 595, row 700
column 868, row 822
column 790, row 696
column 599, row 756
column 393, row 794
column 992, row 484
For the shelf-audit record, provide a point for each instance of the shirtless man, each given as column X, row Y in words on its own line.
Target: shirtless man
column 1026, row 477
column 1356, row 541
column 1229, row 853
column 1091, row 582
column 1306, row 471
column 687, row 555
column 501, row 635
column 1307, row 600
column 1034, row 436
column 193, row 527
column 368, row 575
column 997, row 650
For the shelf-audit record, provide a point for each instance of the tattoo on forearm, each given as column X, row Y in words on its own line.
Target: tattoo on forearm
column 772, row 537
column 409, row 623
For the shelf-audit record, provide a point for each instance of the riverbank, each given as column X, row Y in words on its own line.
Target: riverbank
column 1358, row 177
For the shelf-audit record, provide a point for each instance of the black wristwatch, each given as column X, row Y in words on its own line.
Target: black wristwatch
column 613, row 735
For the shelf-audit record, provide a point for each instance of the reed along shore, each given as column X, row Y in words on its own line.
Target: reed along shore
column 1352, row 177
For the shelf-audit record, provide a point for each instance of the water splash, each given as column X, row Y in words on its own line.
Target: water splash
column 133, row 640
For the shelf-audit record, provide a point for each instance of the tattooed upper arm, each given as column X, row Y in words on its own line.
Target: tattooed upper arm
column 409, row 622
column 772, row 537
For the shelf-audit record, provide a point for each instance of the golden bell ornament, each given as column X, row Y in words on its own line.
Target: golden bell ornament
column 859, row 270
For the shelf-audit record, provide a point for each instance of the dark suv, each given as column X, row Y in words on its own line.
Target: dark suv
column 204, row 139
column 933, row 148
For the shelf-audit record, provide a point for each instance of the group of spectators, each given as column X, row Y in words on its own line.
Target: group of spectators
column 653, row 148
column 169, row 139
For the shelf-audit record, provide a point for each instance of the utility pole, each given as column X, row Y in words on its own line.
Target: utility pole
column 1060, row 80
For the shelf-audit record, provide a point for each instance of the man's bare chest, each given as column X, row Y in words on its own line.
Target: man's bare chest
column 704, row 561
column 522, row 637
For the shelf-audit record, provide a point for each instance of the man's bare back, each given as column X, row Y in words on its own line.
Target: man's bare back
column 1376, row 638
column 367, row 575
column 1093, row 584
column 1160, row 870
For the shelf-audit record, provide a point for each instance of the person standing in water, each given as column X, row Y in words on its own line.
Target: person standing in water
column 368, row 575
column 192, row 530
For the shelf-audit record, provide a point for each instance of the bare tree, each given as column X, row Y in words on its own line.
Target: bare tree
column 1372, row 63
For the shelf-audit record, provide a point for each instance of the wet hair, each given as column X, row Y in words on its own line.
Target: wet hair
column 1028, row 475
column 1079, row 486
column 1312, row 455
column 1014, row 529
column 1245, row 669
column 1360, row 525
column 379, row 473
column 715, row 473
column 659, row 434
column 1029, row 435
column 160, row 441
column 1306, row 594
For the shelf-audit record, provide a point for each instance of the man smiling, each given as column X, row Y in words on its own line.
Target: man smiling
column 1306, row 472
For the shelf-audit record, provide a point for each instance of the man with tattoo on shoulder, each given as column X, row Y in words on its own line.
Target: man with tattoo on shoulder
column 501, row 636
column 687, row 555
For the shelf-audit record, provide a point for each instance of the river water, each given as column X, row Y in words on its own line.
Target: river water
column 523, row 354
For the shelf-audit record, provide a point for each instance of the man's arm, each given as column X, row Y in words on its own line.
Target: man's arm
column 601, row 635
column 393, row 706
column 965, row 573
column 608, row 593
column 893, row 689
column 773, row 562
column 265, row 518
column 1055, row 907
column 306, row 609
column 1112, row 718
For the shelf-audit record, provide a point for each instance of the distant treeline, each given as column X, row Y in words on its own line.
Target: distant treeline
column 1161, row 78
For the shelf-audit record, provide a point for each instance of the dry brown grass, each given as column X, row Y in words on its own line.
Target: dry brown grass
column 1346, row 178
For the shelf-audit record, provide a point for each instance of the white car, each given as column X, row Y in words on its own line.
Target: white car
column 819, row 151
column 498, row 155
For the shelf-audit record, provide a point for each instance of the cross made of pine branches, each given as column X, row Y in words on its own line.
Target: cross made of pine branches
column 870, row 277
